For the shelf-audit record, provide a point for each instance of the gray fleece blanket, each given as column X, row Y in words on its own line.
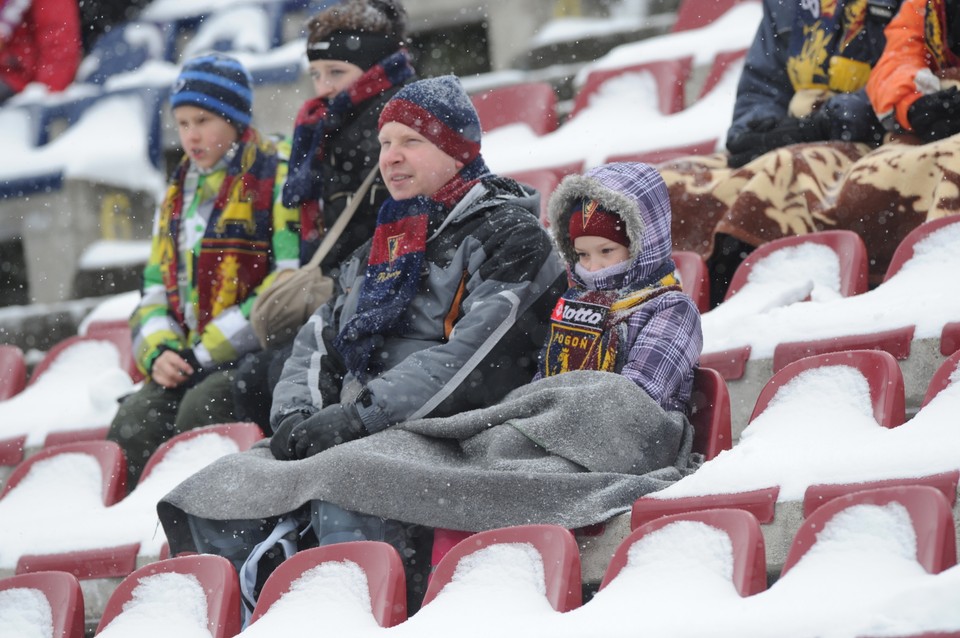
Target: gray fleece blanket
column 572, row 450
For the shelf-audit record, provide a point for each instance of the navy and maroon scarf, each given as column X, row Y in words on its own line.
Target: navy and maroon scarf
column 317, row 119
column 394, row 266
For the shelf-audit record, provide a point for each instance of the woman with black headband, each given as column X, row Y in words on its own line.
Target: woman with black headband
column 358, row 61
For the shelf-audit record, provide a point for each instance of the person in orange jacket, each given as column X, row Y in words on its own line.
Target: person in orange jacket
column 39, row 42
column 913, row 87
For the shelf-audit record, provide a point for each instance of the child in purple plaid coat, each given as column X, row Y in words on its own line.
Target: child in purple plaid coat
column 624, row 311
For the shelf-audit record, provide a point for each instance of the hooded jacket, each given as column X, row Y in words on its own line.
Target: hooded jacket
column 663, row 338
column 490, row 278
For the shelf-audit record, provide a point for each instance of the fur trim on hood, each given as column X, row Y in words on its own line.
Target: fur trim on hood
column 636, row 192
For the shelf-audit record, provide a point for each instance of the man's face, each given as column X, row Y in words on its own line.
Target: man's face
column 412, row 165
column 205, row 137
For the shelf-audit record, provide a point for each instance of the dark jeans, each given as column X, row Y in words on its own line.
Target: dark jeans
column 152, row 415
column 328, row 524
column 257, row 375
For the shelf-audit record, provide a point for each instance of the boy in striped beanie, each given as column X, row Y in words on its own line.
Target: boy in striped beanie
column 220, row 236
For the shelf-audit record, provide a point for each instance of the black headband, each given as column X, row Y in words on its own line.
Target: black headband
column 357, row 47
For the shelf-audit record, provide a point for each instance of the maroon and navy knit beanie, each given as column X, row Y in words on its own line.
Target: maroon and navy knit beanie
column 589, row 218
column 441, row 111
column 217, row 83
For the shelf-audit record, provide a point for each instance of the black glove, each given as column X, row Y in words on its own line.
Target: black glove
column 332, row 369
column 936, row 116
column 299, row 437
column 760, row 139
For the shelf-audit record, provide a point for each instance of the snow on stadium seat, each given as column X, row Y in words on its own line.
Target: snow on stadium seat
column 905, row 249
column 851, row 256
column 941, row 378
column 109, row 456
column 693, row 277
column 530, row 103
column 379, row 562
column 849, row 248
column 556, row 546
column 693, row 14
column 669, row 76
column 244, row 434
column 749, row 558
column 118, row 333
column 56, row 351
column 13, row 370
column 879, row 368
column 120, row 560
column 929, row 512
column 63, row 594
column 724, row 62
column 213, row 576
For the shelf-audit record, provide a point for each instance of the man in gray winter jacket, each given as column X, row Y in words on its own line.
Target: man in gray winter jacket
column 444, row 310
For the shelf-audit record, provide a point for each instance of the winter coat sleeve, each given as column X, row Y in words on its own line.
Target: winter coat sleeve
column 665, row 349
column 57, row 31
column 893, row 86
column 229, row 335
column 764, row 90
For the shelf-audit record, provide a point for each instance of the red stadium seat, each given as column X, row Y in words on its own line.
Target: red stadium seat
column 557, row 546
column 950, row 338
column 544, row 180
column 51, row 356
column 217, row 577
column 724, row 62
column 656, row 156
column 749, row 557
column 530, row 103
column 245, row 435
column 693, row 14
column 941, row 378
column 380, row 562
column 905, row 248
column 108, row 454
column 817, row 495
column 895, row 342
column 731, row 364
column 929, row 511
column 848, row 246
column 117, row 332
column 13, row 371
column 669, row 75
column 710, row 414
column 63, row 593
column 761, row 503
column 878, row 367
column 693, row 277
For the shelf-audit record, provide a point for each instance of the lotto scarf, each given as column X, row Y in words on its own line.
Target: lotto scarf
column 585, row 327
column 11, row 15
column 235, row 250
column 319, row 118
column 394, row 266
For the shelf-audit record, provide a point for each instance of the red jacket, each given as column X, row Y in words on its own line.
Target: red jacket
column 45, row 47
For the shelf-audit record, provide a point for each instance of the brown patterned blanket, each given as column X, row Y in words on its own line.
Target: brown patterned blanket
column 880, row 194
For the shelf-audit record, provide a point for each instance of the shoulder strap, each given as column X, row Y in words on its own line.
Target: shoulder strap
column 333, row 234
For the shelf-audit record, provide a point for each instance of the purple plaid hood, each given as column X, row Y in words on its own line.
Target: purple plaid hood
column 636, row 193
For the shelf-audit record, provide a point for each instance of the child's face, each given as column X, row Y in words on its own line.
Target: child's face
column 333, row 76
column 205, row 137
column 596, row 253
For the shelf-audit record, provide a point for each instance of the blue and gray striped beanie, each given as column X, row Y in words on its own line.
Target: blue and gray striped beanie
column 216, row 83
